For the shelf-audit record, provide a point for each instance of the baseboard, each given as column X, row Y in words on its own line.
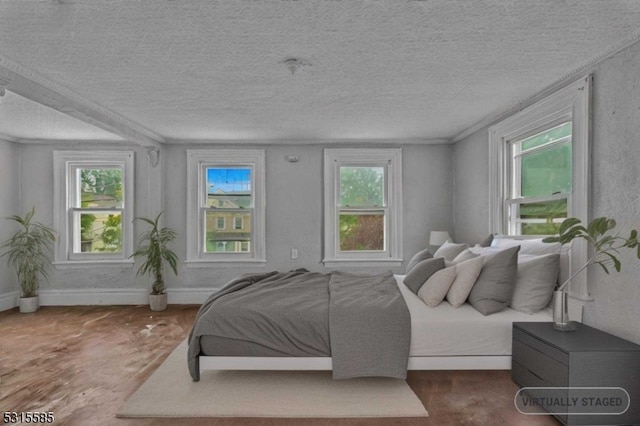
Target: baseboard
column 8, row 300
column 93, row 296
column 189, row 296
column 109, row 296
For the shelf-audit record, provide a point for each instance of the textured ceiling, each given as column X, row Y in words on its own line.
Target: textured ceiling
column 212, row 70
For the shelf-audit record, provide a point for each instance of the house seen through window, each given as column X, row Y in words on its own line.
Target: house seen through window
column 229, row 204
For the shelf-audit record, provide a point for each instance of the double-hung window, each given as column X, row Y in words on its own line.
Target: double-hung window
column 540, row 180
column 363, row 206
column 539, row 169
column 226, row 203
column 93, row 207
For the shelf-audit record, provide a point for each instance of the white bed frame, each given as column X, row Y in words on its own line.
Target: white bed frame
column 462, row 362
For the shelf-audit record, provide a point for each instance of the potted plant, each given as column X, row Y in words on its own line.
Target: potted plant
column 605, row 246
column 154, row 251
column 28, row 252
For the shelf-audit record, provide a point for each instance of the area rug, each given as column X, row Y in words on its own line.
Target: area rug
column 170, row 392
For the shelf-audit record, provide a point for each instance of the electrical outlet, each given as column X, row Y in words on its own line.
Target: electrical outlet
column 294, row 253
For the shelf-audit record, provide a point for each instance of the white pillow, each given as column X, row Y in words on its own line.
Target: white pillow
column 465, row 254
column 435, row 289
column 466, row 274
column 537, row 278
column 449, row 250
column 535, row 246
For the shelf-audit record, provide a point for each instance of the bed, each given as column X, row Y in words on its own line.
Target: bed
column 440, row 338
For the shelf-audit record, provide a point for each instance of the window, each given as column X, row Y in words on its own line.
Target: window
column 363, row 201
column 540, row 181
column 93, row 207
column 226, row 205
column 539, row 169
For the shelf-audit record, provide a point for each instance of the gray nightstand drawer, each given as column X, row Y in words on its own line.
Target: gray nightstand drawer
column 554, row 353
column 540, row 364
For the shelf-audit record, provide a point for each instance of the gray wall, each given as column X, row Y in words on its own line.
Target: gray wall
column 294, row 208
column 615, row 193
column 9, row 194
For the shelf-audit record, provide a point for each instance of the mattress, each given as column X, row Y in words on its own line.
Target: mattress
column 448, row 331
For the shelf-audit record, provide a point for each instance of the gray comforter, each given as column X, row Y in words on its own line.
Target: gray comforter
column 361, row 321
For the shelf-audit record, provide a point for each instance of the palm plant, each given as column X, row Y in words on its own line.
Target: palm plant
column 28, row 252
column 153, row 248
column 598, row 234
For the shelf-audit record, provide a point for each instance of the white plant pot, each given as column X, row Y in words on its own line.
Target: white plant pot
column 29, row 304
column 158, row 302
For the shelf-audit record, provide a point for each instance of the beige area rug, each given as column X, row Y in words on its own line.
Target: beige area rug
column 170, row 392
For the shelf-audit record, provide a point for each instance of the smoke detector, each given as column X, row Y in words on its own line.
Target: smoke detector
column 293, row 64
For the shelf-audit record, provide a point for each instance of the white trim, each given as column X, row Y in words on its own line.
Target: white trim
column 118, row 296
column 92, row 264
column 392, row 160
column 196, row 160
column 9, row 300
column 94, row 296
column 63, row 162
column 488, row 362
column 572, row 101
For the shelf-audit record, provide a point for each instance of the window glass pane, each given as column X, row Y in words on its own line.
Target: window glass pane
column 100, row 232
column 542, row 218
column 546, row 172
column 99, row 187
column 227, row 239
column 229, row 187
column 547, row 136
column 360, row 232
column 362, row 186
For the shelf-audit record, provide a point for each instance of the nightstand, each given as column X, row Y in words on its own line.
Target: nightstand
column 586, row 357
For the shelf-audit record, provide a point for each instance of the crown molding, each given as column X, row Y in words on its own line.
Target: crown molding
column 8, row 138
column 563, row 81
column 321, row 142
column 37, row 88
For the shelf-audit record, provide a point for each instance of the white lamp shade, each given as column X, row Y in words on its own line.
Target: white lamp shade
column 438, row 238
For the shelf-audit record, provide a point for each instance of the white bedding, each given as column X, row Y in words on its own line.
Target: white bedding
column 448, row 331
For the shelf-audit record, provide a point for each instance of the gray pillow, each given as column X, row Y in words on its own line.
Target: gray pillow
column 537, row 277
column 421, row 273
column 417, row 258
column 494, row 287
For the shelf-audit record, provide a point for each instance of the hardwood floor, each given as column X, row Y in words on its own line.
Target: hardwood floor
column 83, row 362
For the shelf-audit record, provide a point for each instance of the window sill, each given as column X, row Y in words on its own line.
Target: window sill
column 90, row 264
column 339, row 263
column 211, row 263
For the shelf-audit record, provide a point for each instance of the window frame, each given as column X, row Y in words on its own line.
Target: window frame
column 573, row 102
column 65, row 165
column 198, row 160
column 391, row 160
column 514, row 198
